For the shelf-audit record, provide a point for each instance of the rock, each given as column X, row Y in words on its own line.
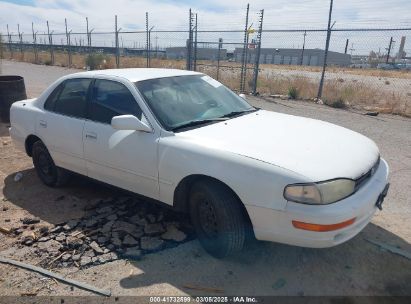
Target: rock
column 121, row 213
column 76, row 257
column 91, row 223
column 61, row 237
column 116, row 242
column 112, row 217
column 27, row 240
column 89, row 253
column 74, row 242
column 151, row 218
column 96, row 247
column 102, row 239
column 160, row 216
column 138, row 233
column 173, row 234
column 50, row 246
column 107, row 227
column 129, row 241
column 123, row 226
column 111, row 246
column 66, row 257
column 151, row 243
column 30, row 221
column 56, row 229
column 5, row 208
column 133, row 253
column 7, row 220
column 44, row 230
column 43, row 239
column 71, row 224
column 18, row 231
column 106, row 209
column 18, row 177
column 153, row 229
column 85, row 260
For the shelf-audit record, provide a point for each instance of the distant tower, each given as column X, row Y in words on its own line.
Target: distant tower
column 401, row 54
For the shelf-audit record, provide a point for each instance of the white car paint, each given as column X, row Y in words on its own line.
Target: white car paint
column 257, row 155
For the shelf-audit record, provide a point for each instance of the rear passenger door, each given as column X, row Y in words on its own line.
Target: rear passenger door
column 61, row 125
column 124, row 158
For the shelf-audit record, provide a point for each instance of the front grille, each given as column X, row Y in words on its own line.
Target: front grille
column 359, row 182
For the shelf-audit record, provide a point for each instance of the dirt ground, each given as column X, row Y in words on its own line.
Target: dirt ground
column 356, row 267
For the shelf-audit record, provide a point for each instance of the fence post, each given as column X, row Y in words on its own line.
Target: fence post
column 36, row 58
column 189, row 41
column 20, row 41
column 50, row 43
column 244, row 53
column 68, row 39
column 147, row 43
column 220, row 45
column 9, row 42
column 117, row 46
column 346, row 46
column 302, row 52
column 258, row 52
column 195, row 47
column 327, row 45
column 389, row 51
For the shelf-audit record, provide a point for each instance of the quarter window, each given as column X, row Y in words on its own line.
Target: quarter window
column 72, row 100
column 111, row 98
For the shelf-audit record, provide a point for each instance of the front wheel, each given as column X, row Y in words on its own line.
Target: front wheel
column 47, row 171
column 218, row 219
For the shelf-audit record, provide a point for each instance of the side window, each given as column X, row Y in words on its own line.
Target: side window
column 72, row 100
column 51, row 100
column 111, row 98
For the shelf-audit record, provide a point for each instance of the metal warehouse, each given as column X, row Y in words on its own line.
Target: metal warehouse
column 312, row 57
column 202, row 53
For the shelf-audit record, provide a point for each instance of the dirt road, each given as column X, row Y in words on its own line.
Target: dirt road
column 354, row 268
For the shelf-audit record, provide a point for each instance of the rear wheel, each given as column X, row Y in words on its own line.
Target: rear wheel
column 47, row 171
column 218, row 219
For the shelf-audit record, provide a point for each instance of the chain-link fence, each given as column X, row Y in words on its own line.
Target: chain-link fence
column 368, row 68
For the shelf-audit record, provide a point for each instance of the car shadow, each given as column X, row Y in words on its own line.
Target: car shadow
column 356, row 267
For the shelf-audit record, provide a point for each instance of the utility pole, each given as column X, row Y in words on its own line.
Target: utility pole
column 50, row 43
column 220, row 45
column 327, row 45
column 9, row 39
column 36, row 56
column 389, row 50
column 346, row 46
column 117, row 46
column 302, row 52
column 195, row 46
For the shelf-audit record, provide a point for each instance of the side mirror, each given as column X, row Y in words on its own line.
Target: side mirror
column 129, row 122
column 242, row 96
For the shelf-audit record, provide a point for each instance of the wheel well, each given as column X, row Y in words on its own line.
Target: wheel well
column 182, row 193
column 29, row 143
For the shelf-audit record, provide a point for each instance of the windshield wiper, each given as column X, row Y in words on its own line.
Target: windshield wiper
column 194, row 123
column 235, row 113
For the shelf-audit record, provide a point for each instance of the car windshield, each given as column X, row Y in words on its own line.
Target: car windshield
column 190, row 100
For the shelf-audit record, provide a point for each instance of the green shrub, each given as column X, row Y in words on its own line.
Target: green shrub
column 96, row 61
column 47, row 62
column 293, row 92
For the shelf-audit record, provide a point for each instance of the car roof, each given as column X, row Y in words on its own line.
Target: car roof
column 135, row 74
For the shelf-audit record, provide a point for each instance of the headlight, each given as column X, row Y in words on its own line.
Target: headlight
column 320, row 193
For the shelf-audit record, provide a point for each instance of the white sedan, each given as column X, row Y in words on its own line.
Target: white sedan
column 184, row 139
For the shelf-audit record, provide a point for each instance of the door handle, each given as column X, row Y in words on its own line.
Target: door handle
column 91, row 136
column 43, row 123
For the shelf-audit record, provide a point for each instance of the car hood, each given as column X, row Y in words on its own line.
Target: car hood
column 316, row 149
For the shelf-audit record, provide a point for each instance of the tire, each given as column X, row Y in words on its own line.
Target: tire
column 47, row 171
column 218, row 218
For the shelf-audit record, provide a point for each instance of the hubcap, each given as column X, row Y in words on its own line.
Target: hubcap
column 208, row 219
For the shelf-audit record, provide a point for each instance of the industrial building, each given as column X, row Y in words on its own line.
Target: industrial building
column 311, row 57
column 202, row 53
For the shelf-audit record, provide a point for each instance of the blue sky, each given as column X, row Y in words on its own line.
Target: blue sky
column 213, row 14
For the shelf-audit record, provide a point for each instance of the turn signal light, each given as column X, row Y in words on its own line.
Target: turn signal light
column 322, row 228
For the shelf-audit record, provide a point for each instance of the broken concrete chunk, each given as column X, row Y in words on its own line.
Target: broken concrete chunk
column 129, row 241
column 173, row 234
column 153, row 229
column 112, row 217
column 66, row 257
column 76, row 257
column 85, row 260
column 123, row 226
column 151, row 243
column 96, row 247
column 61, row 237
column 103, row 210
column 30, row 220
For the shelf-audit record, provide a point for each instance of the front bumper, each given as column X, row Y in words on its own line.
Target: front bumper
column 276, row 226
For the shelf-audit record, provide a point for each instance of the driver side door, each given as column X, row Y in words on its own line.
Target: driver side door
column 123, row 158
